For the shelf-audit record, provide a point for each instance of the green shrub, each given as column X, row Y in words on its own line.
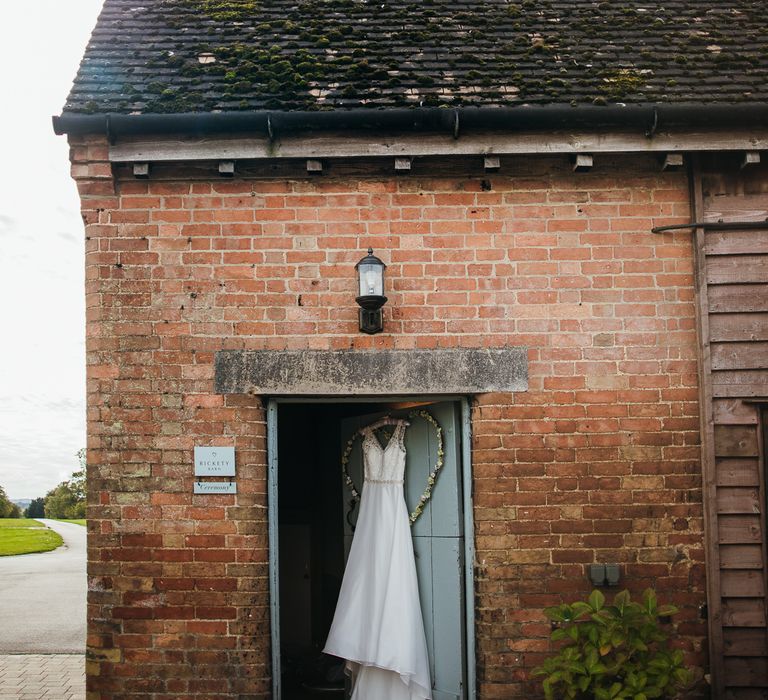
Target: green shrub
column 613, row 652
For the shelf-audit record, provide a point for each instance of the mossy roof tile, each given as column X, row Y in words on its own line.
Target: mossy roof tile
column 165, row 56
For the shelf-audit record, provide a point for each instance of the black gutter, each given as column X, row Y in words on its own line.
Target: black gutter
column 650, row 118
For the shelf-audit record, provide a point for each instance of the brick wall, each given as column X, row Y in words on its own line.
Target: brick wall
column 597, row 462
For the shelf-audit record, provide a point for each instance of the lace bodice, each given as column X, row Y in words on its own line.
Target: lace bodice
column 384, row 465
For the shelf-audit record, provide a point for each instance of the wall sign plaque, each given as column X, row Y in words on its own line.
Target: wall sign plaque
column 214, row 461
column 215, row 487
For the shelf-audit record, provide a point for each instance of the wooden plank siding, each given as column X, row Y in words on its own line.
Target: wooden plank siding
column 733, row 276
column 736, row 298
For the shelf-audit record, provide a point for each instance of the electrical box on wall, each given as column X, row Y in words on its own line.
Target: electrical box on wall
column 604, row 574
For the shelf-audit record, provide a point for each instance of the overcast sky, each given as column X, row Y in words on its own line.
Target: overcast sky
column 42, row 375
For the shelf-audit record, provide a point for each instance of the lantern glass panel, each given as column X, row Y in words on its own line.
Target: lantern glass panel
column 371, row 277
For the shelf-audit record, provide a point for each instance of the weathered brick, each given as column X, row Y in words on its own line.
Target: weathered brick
column 596, row 462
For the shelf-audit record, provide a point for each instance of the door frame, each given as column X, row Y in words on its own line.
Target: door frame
column 273, row 404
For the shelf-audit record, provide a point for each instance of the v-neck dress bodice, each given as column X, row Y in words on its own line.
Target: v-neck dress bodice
column 378, row 626
column 384, row 464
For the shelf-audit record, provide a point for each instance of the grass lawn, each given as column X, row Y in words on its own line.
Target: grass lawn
column 76, row 522
column 19, row 522
column 22, row 536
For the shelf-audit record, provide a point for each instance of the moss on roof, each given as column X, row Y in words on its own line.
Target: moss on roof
column 204, row 55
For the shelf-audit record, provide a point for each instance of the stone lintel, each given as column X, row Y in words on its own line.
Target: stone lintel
column 371, row 372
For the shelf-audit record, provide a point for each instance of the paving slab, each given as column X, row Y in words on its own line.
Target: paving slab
column 42, row 676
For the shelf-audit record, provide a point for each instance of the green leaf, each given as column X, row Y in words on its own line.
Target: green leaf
column 621, row 600
column 591, row 657
column 580, row 608
column 618, row 638
column 555, row 613
column 599, row 670
column 606, row 616
column 666, row 611
column 649, row 601
column 596, row 600
column 559, row 613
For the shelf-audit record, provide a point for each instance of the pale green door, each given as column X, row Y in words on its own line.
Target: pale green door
column 438, row 537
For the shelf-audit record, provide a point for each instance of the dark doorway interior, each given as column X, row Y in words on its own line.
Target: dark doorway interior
column 315, row 523
column 311, row 509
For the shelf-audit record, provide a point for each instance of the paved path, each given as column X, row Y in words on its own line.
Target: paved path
column 42, row 677
column 42, row 598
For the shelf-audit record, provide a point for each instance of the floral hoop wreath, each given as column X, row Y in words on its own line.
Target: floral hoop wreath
column 427, row 494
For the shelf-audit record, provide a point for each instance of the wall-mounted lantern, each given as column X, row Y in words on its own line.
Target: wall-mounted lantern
column 370, row 283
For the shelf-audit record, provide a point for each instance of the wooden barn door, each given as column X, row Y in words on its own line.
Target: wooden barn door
column 438, row 538
column 732, row 279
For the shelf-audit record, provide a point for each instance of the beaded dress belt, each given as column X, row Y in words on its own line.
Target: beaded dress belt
column 383, row 481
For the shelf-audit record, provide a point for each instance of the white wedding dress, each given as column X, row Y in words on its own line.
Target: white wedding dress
column 378, row 626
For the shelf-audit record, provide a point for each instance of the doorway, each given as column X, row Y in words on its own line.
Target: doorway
column 312, row 516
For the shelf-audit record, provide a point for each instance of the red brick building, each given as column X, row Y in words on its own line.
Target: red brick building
column 599, row 384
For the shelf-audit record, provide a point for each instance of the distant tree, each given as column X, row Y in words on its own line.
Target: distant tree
column 8, row 509
column 67, row 500
column 36, row 509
